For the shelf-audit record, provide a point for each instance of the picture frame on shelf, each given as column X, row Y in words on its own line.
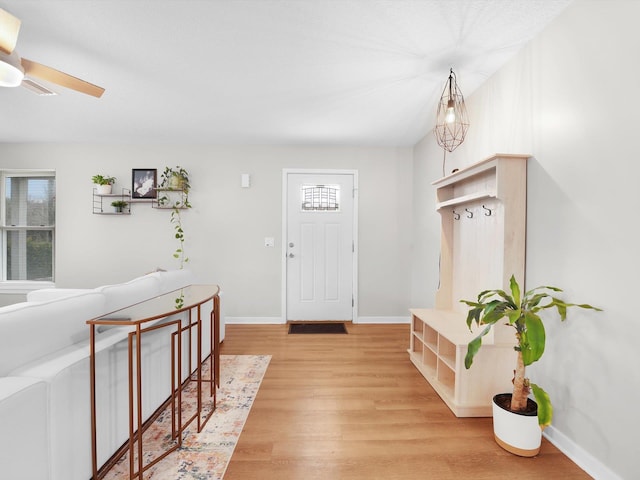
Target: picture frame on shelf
column 144, row 182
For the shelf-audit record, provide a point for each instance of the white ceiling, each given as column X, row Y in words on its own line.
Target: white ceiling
column 294, row 72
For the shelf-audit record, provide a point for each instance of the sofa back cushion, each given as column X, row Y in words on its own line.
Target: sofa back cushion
column 122, row 295
column 31, row 330
column 46, row 294
column 171, row 280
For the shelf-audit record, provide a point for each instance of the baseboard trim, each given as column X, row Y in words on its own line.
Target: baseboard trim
column 579, row 455
column 384, row 320
column 253, row 320
column 279, row 320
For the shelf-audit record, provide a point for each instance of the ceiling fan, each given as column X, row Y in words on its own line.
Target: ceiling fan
column 13, row 68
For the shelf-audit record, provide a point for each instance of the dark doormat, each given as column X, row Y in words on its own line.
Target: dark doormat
column 318, row 327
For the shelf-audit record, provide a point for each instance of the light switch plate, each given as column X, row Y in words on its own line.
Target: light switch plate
column 245, row 180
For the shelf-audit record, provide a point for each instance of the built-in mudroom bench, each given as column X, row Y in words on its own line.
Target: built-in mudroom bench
column 483, row 219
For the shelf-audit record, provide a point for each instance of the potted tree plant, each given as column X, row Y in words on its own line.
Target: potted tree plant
column 521, row 313
column 104, row 183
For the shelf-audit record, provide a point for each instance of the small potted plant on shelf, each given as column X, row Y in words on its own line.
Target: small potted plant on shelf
column 514, row 414
column 103, row 184
column 175, row 179
column 119, row 205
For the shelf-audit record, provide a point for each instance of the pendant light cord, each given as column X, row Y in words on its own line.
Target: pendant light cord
column 444, row 159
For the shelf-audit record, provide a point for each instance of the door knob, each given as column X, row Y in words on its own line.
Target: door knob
column 291, row 244
column 291, row 255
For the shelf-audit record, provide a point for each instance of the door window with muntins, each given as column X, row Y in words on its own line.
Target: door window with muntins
column 320, row 198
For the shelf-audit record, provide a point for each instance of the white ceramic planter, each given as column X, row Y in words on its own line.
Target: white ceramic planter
column 103, row 189
column 517, row 433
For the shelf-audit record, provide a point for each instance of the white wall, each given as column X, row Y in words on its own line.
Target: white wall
column 226, row 227
column 571, row 100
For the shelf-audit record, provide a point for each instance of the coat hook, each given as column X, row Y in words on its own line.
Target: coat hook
column 488, row 211
column 456, row 215
column 469, row 212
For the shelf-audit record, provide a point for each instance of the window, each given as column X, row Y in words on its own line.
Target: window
column 28, row 225
column 320, row 198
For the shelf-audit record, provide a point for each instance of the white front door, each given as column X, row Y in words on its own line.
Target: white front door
column 319, row 246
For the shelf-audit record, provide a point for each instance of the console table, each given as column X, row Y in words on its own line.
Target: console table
column 147, row 316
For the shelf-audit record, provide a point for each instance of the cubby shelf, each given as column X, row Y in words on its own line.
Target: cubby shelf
column 482, row 245
column 468, row 393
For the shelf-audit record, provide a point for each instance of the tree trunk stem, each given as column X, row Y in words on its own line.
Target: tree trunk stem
column 520, row 390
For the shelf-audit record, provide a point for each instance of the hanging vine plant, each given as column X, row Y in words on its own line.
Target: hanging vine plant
column 174, row 194
column 176, row 220
column 175, row 188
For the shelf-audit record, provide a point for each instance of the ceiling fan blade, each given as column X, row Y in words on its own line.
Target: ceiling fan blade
column 9, row 28
column 52, row 75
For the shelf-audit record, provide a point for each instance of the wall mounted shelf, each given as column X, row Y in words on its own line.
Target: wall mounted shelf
column 465, row 199
column 167, row 198
column 102, row 202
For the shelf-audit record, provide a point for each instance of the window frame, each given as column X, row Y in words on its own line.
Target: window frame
column 23, row 286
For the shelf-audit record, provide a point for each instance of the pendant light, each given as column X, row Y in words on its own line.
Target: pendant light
column 452, row 121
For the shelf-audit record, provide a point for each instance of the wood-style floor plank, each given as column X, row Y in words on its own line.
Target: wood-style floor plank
column 353, row 407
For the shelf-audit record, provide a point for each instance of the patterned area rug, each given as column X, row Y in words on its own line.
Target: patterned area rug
column 204, row 455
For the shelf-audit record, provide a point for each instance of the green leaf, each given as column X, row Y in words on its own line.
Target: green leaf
column 586, row 305
column 515, row 290
column 473, row 347
column 542, row 287
column 493, row 317
column 474, row 315
column 514, row 316
column 545, row 409
column 534, row 337
column 484, row 296
column 532, row 302
column 562, row 311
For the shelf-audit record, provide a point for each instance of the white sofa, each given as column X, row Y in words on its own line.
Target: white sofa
column 44, row 376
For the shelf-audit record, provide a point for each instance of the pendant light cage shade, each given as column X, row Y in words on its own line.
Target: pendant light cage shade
column 452, row 121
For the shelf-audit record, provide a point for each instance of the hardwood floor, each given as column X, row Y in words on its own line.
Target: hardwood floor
column 354, row 407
